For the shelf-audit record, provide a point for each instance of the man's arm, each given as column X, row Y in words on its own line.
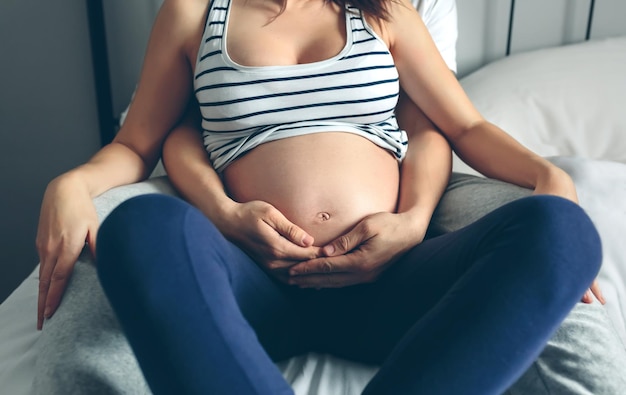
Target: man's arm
column 426, row 168
column 68, row 218
column 257, row 227
column 363, row 253
column 437, row 92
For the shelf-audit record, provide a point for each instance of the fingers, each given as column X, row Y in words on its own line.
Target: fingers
column 595, row 289
column 54, row 274
column 587, row 297
column 334, row 272
column 279, row 265
column 47, row 264
column 348, row 241
column 91, row 240
column 311, row 267
column 345, row 269
column 58, row 282
column 342, row 263
column 286, row 242
column 288, row 230
column 285, row 253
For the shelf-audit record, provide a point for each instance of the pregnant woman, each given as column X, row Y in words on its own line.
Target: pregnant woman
column 311, row 208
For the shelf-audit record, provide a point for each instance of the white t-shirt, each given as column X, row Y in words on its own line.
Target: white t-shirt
column 440, row 18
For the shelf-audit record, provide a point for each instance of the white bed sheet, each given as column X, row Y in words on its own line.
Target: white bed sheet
column 562, row 101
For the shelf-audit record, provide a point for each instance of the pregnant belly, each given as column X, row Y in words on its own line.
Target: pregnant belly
column 324, row 182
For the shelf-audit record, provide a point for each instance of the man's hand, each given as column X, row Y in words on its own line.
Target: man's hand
column 362, row 254
column 593, row 290
column 68, row 220
column 557, row 182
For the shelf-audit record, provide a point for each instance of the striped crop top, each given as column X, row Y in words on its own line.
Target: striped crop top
column 242, row 107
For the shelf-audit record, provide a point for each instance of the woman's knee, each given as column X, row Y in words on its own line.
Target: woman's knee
column 563, row 236
column 129, row 235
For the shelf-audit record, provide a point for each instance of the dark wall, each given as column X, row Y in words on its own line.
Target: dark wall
column 48, row 117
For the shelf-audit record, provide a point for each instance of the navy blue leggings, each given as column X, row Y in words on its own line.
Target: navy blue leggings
column 462, row 313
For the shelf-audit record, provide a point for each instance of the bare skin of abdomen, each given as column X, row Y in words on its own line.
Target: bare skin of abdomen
column 323, row 182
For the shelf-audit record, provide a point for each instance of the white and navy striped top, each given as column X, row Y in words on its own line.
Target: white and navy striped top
column 242, row 107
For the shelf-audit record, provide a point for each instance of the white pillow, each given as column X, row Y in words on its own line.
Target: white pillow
column 568, row 100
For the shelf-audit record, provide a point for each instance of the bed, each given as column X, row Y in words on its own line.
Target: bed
column 567, row 103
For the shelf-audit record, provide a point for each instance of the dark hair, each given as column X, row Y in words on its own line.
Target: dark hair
column 376, row 8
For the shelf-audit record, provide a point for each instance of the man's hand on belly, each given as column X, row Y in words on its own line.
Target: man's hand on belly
column 362, row 254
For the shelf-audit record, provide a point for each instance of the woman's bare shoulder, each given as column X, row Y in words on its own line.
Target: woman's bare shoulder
column 403, row 20
column 185, row 7
column 399, row 14
column 185, row 22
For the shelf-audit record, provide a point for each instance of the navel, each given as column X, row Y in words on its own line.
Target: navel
column 322, row 216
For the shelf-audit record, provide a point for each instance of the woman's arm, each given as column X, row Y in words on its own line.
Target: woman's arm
column 68, row 218
column 482, row 145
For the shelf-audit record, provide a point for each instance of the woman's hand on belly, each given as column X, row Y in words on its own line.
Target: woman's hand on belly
column 324, row 183
column 273, row 241
column 363, row 253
